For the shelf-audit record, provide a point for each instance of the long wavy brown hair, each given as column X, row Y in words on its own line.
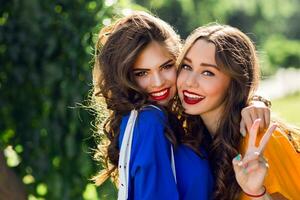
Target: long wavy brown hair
column 116, row 51
column 236, row 56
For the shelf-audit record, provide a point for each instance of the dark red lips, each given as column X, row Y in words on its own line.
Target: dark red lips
column 190, row 100
column 161, row 97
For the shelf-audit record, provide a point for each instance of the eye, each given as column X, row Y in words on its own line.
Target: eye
column 186, row 67
column 168, row 66
column 207, row 73
column 140, row 73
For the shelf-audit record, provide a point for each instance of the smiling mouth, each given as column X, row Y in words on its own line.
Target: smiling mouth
column 160, row 95
column 191, row 98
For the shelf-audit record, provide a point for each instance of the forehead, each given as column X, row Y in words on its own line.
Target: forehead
column 203, row 51
column 153, row 55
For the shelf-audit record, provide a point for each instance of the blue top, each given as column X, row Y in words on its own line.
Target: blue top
column 194, row 176
column 150, row 172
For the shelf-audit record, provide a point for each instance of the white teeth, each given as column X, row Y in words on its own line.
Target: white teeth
column 157, row 94
column 194, row 96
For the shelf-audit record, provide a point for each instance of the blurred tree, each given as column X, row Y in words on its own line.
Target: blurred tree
column 11, row 187
column 259, row 19
column 283, row 52
column 45, row 53
column 292, row 30
column 170, row 11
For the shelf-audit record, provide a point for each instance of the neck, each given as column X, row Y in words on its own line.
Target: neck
column 211, row 124
column 211, row 119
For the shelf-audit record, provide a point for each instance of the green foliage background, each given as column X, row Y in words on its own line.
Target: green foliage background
column 45, row 52
column 45, row 60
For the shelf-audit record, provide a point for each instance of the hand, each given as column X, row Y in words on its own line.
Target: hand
column 250, row 171
column 257, row 110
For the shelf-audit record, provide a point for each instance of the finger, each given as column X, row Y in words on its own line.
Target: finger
column 267, row 117
column 262, row 124
column 248, row 158
column 254, row 115
column 247, row 119
column 263, row 160
column 253, row 133
column 243, row 128
column 266, row 137
column 252, row 166
column 255, row 165
column 235, row 163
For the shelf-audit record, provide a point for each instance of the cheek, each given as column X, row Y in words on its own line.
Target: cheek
column 142, row 82
column 180, row 79
column 217, row 89
column 171, row 76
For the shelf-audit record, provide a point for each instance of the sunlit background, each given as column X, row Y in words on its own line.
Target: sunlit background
column 46, row 52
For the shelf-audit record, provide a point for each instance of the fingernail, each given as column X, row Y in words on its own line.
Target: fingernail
column 243, row 133
column 240, row 164
column 238, row 157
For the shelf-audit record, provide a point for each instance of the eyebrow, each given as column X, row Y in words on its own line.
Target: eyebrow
column 165, row 63
column 203, row 64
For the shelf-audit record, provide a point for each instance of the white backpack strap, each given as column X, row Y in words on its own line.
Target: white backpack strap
column 153, row 106
column 124, row 157
column 173, row 164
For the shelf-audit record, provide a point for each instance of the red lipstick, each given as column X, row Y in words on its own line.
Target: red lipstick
column 191, row 98
column 160, row 95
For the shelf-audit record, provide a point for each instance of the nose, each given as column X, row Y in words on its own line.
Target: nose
column 191, row 80
column 157, row 80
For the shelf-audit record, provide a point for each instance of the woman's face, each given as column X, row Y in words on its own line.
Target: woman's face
column 155, row 72
column 201, row 85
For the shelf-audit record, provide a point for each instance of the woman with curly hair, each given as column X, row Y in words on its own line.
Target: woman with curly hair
column 218, row 73
column 135, row 70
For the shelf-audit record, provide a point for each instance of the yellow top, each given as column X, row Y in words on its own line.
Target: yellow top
column 284, row 172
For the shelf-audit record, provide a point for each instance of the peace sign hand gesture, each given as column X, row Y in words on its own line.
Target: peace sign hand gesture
column 250, row 171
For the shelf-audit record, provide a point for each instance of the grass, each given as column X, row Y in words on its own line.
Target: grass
column 288, row 108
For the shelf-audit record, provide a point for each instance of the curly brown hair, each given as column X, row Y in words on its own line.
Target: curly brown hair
column 117, row 48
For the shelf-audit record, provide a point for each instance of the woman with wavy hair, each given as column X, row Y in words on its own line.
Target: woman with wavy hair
column 135, row 70
column 218, row 74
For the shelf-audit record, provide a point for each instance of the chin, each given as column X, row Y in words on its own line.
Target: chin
column 189, row 112
column 192, row 111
